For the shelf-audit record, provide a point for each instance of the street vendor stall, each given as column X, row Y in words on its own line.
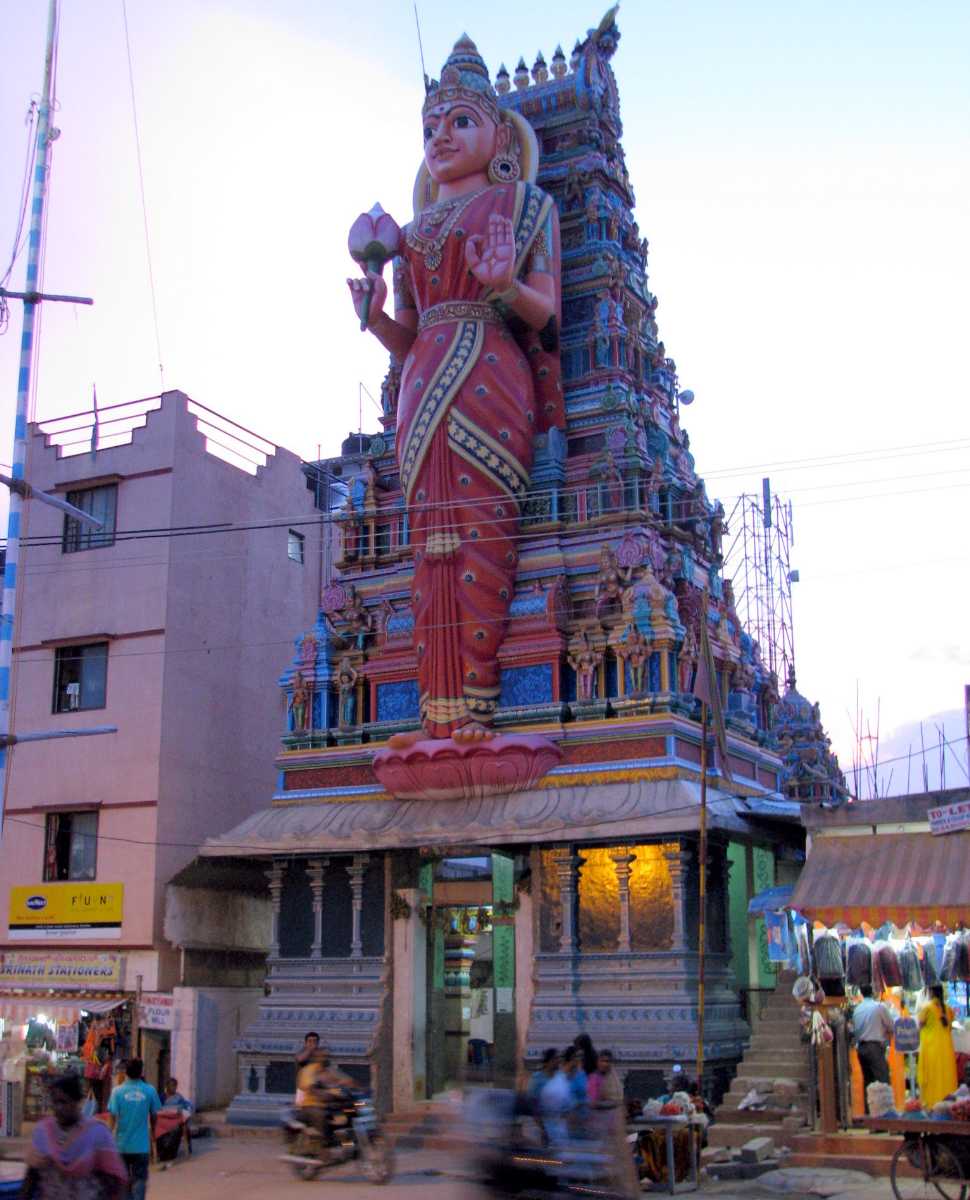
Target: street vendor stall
column 890, row 912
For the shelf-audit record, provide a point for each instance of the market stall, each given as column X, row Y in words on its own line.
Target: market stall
column 41, row 1036
column 889, row 912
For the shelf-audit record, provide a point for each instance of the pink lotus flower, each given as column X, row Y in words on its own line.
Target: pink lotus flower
column 374, row 238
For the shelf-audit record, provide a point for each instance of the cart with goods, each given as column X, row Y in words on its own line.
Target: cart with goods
column 933, row 1158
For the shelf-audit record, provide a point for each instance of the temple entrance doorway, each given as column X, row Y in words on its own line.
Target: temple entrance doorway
column 471, row 973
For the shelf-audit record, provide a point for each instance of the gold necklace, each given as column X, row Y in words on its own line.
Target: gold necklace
column 445, row 213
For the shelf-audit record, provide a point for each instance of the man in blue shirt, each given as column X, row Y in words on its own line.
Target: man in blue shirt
column 872, row 1024
column 132, row 1107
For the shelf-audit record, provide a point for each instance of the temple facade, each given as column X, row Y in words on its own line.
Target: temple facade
column 433, row 940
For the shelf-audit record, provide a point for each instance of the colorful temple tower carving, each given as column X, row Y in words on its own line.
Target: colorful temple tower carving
column 812, row 772
column 582, row 872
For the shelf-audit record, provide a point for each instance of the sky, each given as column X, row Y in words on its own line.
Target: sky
column 802, row 172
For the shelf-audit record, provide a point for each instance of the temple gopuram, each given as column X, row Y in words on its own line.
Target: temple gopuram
column 455, row 932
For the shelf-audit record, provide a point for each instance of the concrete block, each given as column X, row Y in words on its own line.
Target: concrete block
column 758, row 1149
column 715, row 1154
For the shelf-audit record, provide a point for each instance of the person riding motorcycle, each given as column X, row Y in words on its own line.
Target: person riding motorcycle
column 322, row 1086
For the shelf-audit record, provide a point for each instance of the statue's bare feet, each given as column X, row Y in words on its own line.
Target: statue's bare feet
column 472, row 732
column 401, row 741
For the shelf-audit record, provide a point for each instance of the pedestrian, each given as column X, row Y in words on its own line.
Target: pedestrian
column 72, row 1157
column 133, row 1107
column 175, row 1099
column 936, row 1071
column 872, row 1024
column 578, row 1083
column 609, row 1123
column 588, row 1056
column 539, row 1079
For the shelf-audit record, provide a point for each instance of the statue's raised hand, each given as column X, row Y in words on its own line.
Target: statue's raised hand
column 491, row 257
column 371, row 285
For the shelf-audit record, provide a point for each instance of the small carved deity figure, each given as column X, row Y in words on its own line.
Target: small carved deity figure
column 636, row 652
column 357, row 618
column 687, row 660
column 389, row 389
column 610, row 582
column 476, row 327
column 300, row 704
column 718, row 529
column 584, row 660
column 347, row 687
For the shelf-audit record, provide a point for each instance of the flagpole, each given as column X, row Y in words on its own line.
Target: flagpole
column 702, row 905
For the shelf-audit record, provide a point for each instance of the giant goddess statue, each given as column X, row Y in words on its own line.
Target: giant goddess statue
column 475, row 325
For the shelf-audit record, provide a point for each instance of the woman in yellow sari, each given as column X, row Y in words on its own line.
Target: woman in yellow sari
column 937, row 1069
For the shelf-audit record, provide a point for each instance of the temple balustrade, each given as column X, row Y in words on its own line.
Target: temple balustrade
column 327, row 972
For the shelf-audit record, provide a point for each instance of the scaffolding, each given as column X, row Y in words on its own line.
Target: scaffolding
column 758, row 561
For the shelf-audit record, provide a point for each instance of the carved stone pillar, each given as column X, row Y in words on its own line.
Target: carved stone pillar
column 274, row 875
column 315, row 872
column 677, row 862
column 355, row 869
column 567, row 868
column 260, row 1069
column 623, row 862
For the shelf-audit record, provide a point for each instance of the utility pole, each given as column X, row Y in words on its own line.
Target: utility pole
column 20, row 489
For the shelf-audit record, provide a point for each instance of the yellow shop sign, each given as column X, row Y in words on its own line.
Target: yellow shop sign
column 60, row 969
column 66, row 910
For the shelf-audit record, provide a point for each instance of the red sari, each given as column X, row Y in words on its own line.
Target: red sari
column 471, row 401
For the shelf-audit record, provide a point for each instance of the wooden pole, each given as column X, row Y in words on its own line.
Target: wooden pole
column 702, row 893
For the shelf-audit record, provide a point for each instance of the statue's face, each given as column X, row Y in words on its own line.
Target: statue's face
column 459, row 140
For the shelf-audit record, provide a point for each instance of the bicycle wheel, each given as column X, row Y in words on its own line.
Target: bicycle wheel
column 946, row 1172
column 916, row 1175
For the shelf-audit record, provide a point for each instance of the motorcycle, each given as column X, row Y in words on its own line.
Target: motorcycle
column 353, row 1134
column 514, row 1160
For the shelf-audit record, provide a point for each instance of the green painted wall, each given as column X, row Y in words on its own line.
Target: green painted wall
column 738, row 912
column 764, row 877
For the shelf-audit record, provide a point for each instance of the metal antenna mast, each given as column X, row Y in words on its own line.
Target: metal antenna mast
column 758, row 560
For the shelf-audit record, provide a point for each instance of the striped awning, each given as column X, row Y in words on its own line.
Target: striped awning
column 21, row 1009
column 879, row 877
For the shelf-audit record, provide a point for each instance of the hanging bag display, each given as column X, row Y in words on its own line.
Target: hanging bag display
column 909, row 968
column 948, row 969
column 858, row 963
column 828, row 957
column 928, row 963
column 892, row 976
column 963, row 957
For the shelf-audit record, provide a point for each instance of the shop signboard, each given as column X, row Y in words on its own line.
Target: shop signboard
column 63, row 969
column 949, row 817
column 156, row 1010
column 66, row 910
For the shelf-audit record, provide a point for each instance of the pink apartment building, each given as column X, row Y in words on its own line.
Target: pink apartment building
column 172, row 623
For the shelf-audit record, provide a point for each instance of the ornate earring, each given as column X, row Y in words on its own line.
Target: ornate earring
column 504, row 168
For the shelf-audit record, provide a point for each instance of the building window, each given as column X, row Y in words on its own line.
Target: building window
column 80, row 677
column 382, row 540
column 101, row 503
column 71, row 849
column 294, row 546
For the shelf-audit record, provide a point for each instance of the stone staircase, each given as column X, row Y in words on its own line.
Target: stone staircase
column 852, row 1150
column 774, row 1052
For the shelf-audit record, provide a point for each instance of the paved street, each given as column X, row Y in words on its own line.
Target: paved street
column 242, row 1168
column 246, row 1169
